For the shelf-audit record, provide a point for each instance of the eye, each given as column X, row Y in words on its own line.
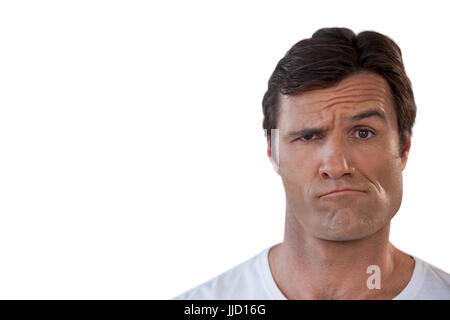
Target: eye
column 364, row 133
column 307, row 137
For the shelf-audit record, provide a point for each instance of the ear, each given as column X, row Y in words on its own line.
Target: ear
column 406, row 152
column 275, row 165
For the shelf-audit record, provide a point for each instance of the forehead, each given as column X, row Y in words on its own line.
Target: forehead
column 352, row 95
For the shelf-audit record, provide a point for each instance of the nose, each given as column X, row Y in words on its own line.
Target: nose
column 335, row 163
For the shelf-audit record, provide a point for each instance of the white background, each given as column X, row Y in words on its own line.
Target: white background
column 132, row 156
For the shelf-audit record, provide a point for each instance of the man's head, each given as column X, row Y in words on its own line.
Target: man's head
column 345, row 109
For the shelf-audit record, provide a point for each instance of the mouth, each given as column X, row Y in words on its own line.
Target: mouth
column 341, row 193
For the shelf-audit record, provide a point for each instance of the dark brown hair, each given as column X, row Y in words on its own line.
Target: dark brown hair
column 331, row 55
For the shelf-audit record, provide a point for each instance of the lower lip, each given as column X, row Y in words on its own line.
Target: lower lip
column 342, row 193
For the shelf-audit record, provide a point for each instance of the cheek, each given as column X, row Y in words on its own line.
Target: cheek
column 387, row 181
column 295, row 174
column 298, row 175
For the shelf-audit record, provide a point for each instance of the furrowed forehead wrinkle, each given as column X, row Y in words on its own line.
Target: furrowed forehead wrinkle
column 377, row 103
column 352, row 91
column 361, row 85
column 374, row 94
column 308, row 98
column 356, row 97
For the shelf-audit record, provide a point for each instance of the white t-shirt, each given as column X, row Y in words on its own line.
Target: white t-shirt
column 252, row 280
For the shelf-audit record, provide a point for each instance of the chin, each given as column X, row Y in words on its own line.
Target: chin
column 347, row 225
column 347, row 232
column 344, row 236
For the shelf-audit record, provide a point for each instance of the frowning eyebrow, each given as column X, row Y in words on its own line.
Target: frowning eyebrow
column 366, row 114
column 321, row 130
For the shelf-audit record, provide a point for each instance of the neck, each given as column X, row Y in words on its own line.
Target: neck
column 306, row 267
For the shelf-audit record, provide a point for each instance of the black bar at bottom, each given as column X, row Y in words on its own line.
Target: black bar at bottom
column 216, row 309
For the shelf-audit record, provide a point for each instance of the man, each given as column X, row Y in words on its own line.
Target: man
column 338, row 115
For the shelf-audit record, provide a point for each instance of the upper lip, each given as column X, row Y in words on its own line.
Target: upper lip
column 341, row 189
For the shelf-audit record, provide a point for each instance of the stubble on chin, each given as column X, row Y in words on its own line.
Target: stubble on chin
column 345, row 224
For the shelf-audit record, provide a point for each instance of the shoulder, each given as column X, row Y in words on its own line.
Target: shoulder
column 430, row 282
column 436, row 283
column 243, row 281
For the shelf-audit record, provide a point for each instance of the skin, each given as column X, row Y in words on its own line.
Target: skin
column 330, row 241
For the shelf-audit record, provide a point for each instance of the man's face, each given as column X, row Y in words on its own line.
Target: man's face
column 358, row 153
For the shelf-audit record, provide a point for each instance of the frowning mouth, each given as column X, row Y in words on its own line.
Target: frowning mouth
column 342, row 192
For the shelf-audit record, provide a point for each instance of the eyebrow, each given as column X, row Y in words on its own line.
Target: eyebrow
column 320, row 130
column 367, row 114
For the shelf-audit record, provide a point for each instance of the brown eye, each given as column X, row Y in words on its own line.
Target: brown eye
column 364, row 133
